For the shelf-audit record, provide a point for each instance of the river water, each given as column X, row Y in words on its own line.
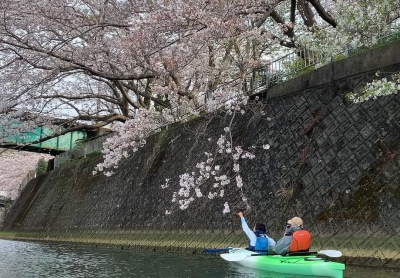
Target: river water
column 30, row 260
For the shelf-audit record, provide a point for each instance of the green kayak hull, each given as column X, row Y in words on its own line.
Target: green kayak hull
column 300, row 265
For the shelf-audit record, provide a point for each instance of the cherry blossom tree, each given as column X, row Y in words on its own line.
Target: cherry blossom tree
column 137, row 65
column 102, row 61
column 14, row 167
column 359, row 24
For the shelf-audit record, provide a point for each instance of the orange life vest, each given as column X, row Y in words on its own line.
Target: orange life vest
column 301, row 241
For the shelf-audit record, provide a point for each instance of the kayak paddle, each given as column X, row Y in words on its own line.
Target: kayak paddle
column 216, row 250
column 234, row 257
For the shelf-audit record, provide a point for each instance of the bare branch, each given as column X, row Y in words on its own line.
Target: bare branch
column 322, row 13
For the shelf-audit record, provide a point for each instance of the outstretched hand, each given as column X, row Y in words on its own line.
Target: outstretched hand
column 240, row 214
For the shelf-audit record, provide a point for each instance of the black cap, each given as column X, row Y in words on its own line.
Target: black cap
column 261, row 227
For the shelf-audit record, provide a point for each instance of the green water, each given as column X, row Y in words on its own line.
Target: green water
column 31, row 260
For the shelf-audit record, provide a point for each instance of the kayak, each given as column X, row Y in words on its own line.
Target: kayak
column 310, row 265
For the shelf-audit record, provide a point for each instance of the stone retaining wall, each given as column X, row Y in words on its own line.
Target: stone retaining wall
column 336, row 164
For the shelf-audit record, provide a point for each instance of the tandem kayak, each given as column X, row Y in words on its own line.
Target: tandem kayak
column 310, row 265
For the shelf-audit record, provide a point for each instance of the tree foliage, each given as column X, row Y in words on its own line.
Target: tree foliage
column 14, row 167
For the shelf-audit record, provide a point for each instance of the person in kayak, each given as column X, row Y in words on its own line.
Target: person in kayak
column 295, row 239
column 258, row 239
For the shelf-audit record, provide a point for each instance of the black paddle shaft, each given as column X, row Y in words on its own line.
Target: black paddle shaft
column 290, row 254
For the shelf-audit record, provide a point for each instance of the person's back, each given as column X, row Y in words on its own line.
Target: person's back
column 295, row 238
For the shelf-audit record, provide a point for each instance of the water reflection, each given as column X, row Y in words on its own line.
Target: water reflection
column 26, row 259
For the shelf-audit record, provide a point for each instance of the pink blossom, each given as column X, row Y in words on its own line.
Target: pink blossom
column 14, row 167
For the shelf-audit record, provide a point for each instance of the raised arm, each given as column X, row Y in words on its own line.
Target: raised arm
column 250, row 234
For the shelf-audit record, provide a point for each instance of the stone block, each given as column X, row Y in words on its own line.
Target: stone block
column 337, row 111
column 329, row 120
column 361, row 151
column 354, row 174
column 344, row 184
column 395, row 118
column 392, row 107
column 307, row 116
column 344, row 127
column 321, row 138
column 350, row 133
column 327, row 95
column 373, row 139
column 351, row 107
column 317, row 105
column 298, row 113
column 312, row 97
column 343, row 154
column 296, row 126
column 336, row 102
column 308, row 178
column 315, row 158
column 299, row 101
column 329, row 130
column 367, row 130
column 335, row 136
column 328, row 156
column 379, row 119
column 336, row 177
column 325, row 146
column 360, row 114
column 367, row 161
column 288, row 104
column 317, row 167
column 384, row 100
column 292, row 149
column 374, row 110
column 301, row 141
column 322, row 177
column 343, row 117
column 349, row 163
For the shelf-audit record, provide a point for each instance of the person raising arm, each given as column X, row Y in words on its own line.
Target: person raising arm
column 258, row 239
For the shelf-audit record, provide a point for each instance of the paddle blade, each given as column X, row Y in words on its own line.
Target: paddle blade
column 234, row 257
column 331, row 253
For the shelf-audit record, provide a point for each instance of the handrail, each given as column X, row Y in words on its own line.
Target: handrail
column 293, row 64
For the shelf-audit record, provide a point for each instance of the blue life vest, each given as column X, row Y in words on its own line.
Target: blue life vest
column 261, row 244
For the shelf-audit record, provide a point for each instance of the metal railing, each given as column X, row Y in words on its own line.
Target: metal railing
column 302, row 61
column 288, row 66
